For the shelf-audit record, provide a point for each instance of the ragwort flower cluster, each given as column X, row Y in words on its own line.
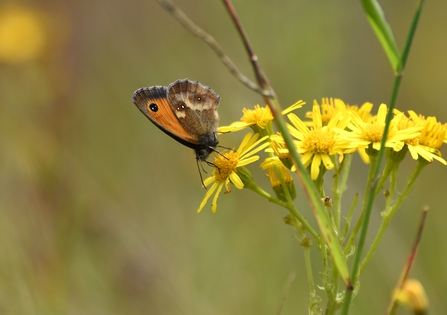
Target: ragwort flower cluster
column 327, row 134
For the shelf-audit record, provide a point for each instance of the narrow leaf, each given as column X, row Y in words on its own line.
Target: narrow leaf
column 376, row 18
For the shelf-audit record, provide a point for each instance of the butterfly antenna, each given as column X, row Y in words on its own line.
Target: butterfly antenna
column 200, row 172
column 218, row 152
column 231, row 149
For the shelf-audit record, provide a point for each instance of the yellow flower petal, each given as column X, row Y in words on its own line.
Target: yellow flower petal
column 214, row 203
column 236, row 180
column 207, row 196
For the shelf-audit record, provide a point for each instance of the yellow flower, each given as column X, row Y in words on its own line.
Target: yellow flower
column 259, row 117
column 282, row 154
column 364, row 111
column 274, row 174
column 413, row 296
column 427, row 145
column 362, row 134
column 226, row 168
column 331, row 106
column 318, row 143
column 328, row 108
column 22, row 35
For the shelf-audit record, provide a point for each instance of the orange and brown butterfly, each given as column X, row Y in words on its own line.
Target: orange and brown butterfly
column 186, row 111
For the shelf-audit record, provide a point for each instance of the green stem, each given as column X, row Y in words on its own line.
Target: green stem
column 336, row 196
column 411, row 33
column 333, row 304
column 310, row 278
column 388, row 216
column 313, row 195
column 385, row 174
column 396, row 88
column 324, row 258
column 293, row 211
column 393, row 182
column 349, row 219
column 339, row 187
column 358, row 225
column 305, row 243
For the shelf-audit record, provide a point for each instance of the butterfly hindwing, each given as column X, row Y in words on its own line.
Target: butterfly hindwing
column 195, row 106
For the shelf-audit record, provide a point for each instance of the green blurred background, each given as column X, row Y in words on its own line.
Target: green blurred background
column 98, row 207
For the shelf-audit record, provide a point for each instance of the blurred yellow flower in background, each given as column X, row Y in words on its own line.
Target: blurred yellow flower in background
column 22, row 35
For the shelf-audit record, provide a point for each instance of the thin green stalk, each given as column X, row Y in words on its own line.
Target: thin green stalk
column 370, row 197
column 325, row 261
column 333, row 303
column 310, row 278
column 319, row 182
column 358, row 225
column 309, row 187
column 293, row 211
column 388, row 216
column 314, row 198
column 393, row 181
column 339, row 187
column 336, row 196
column 388, row 202
column 370, row 201
column 411, row 34
column 385, row 174
column 291, row 207
column 396, row 88
column 349, row 218
column 305, row 243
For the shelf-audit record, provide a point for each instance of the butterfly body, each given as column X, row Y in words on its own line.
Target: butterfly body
column 185, row 110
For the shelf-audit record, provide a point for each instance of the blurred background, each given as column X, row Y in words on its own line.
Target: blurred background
column 98, row 206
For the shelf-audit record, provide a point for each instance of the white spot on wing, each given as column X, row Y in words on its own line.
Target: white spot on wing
column 199, row 107
column 180, row 114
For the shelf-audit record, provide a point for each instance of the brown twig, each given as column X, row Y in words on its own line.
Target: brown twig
column 270, row 99
column 260, row 77
column 409, row 263
column 285, row 292
column 196, row 30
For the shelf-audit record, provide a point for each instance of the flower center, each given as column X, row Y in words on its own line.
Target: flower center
column 373, row 132
column 319, row 141
column 225, row 165
column 413, row 142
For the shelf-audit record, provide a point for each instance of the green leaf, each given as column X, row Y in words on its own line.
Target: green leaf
column 376, row 18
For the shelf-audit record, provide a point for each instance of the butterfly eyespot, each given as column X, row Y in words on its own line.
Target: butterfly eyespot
column 153, row 107
column 181, row 106
column 198, row 99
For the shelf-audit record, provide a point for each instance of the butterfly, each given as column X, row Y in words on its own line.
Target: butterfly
column 186, row 111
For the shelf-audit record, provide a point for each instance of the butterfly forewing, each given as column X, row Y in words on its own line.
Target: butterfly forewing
column 152, row 102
